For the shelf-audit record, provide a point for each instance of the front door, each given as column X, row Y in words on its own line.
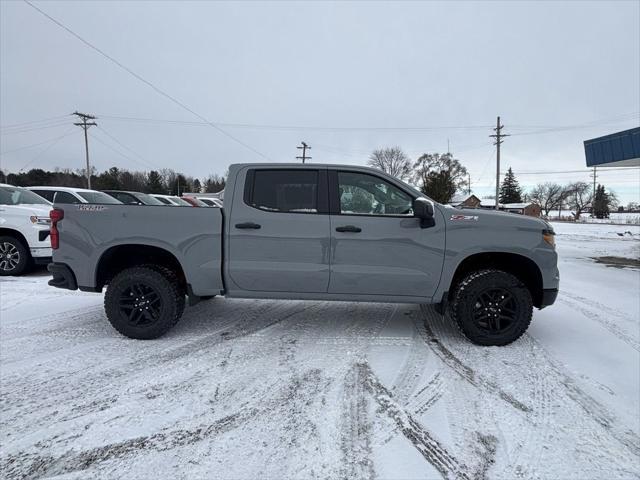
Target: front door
column 377, row 245
column 279, row 233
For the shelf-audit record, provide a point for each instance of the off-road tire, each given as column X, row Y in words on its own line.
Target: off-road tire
column 13, row 246
column 160, row 284
column 467, row 298
column 173, row 278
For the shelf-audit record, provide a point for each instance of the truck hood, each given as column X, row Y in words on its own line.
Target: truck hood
column 492, row 218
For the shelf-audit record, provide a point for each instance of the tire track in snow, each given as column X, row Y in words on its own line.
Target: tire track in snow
column 600, row 318
column 408, row 378
column 55, row 390
column 555, row 397
column 357, row 429
column 427, row 396
column 599, row 306
column 459, row 367
column 424, row 442
column 29, row 465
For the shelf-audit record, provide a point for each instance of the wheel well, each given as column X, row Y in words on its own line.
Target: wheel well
column 15, row 233
column 118, row 258
column 519, row 266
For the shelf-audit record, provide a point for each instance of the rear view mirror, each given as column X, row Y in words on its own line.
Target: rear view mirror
column 423, row 209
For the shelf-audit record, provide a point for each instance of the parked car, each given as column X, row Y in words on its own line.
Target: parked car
column 171, row 200
column 73, row 195
column 311, row 232
column 133, row 198
column 24, row 229
column 212, row 202
column 194, row 202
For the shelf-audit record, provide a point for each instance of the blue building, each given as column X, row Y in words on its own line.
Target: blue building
column 620, row 149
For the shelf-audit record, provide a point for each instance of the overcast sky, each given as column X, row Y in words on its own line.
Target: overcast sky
column 416, row 75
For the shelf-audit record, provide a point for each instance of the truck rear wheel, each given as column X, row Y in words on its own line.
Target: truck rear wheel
column 144, row 303
column 14, row 256
column 492, row 307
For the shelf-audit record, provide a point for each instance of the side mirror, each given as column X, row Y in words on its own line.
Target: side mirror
column 423, row 209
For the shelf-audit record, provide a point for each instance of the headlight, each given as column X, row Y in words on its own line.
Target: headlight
column 40, row 220
column 549, row 236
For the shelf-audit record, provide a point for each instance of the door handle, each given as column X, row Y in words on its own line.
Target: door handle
column 248, row 225
column 349, row 228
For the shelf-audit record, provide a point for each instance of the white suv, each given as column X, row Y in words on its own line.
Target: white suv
column 24, row 229
column 73, row 195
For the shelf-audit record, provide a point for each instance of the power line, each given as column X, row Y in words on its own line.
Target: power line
column 34, row 128
column 31, row 122
column 142, row 159
column 123, row 155
column 32, row 145
column 296, row 127
column 46, row 149
column 541, row 128
column 146, row 82
column 552, row 172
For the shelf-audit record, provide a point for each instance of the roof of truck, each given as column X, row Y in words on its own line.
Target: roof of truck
column 62, row 189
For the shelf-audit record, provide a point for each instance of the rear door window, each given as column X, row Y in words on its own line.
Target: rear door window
column 286, row 191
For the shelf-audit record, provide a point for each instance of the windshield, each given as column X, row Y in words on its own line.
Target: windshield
column 179, row 201
column 148, row 199
column 20, row 196
column 99, row 197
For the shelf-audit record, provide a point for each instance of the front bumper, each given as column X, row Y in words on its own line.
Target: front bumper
column 63, row 276
column 549, row 296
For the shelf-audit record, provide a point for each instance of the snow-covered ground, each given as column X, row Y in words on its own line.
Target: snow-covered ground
column 249, row 389
column 622, row 218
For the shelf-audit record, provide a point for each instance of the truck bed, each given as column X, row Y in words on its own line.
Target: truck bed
column 192, row 235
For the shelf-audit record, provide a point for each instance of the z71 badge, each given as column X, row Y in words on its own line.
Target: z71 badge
column 464, row 217
column 84, row 207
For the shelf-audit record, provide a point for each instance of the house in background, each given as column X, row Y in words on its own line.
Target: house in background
column 525, row 208
column 465, row 200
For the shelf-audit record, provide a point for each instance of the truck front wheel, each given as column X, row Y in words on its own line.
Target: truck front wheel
column 492, row 307
column 143, row 303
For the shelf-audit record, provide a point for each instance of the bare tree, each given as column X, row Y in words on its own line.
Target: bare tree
column 548, row 195
column 392, row 161
column 579, row 197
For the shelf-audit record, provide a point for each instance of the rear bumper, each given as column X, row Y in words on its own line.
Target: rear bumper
column 549, row 296
column 63, row 276
column 42, row 260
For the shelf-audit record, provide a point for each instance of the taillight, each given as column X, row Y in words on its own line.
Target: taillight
column 55, row 215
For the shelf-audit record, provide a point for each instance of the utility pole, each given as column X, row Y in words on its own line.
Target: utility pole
column 595, row 176
column 85, row 126
column 304, row 148
column 469, row 189
column 498, row 136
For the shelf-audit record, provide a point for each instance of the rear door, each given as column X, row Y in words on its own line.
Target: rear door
column 279, row 230
column 378, row 246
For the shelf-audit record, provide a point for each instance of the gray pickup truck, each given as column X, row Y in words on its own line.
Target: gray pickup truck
column 313, row 232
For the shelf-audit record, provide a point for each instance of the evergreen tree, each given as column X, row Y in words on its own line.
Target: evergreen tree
column 154, row 183
column 510, row 191
column 439, row 186
column 197, row 188
column 601, row 203
column 180, row 185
